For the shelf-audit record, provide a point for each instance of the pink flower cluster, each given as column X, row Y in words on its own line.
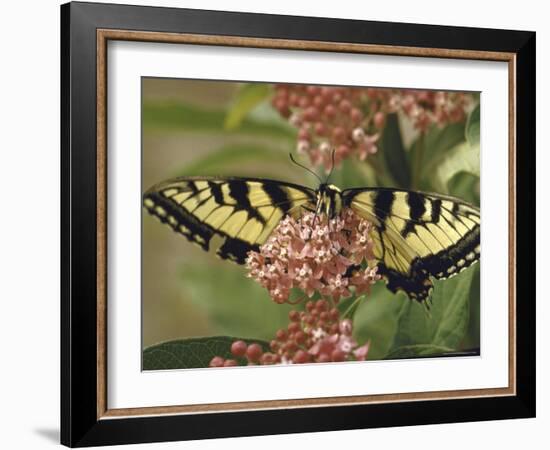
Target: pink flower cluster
column 328, row 118
column 318, row 334
column 316, row 254
column 349, row 121
column 423, row 108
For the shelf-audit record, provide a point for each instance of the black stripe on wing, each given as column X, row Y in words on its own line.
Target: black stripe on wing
column 169, row 213
column 238, row 190
column 195, row 231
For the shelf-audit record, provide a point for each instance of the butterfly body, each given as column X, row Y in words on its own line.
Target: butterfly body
column 416, row 235
column 329, row 200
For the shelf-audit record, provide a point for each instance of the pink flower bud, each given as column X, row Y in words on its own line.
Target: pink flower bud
column 238, row 348
column 217, row 361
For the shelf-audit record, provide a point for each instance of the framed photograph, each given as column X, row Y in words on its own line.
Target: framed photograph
column 274, row 224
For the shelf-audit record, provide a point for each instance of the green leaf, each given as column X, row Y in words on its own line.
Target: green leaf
column 419, row 350
column 392, row 148
column 447, row 321
column 376, row 319
column 428, row 150
column 236, row 305
column 353, row 174
column 264, row 112
column 465, row 186
column 174, row 116
column 461, row 158
column 413, row 326
column 219, row 161
column 439, row 140
column 472, row 337
column 376, row 170
column 191, row 353
column 248, row 97
column 453, row 313
column 473, row 126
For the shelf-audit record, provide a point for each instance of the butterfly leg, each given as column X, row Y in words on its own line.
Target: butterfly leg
column 307, row 208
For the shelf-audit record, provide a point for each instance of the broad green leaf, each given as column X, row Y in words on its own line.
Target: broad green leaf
column 353, row 173
column 419, row 350
column 453, row 312
column 349, row 306
column 462, row 158
column 236, row 305
column 191, row 353
column 218, row 161
column 247, row 98
column 465, row 186
column 472, row 338
column 473, row 126
column 428, row 150
column 376, row 319
column 446, row 322
column 375, row 168
column 391, row 146
column 441, row 139
column 183, row 117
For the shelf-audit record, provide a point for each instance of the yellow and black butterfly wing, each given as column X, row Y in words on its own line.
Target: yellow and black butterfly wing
column 242, row 211
column 418, row 235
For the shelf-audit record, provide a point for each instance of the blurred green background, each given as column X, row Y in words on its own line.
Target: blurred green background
column 222, row 128
column 184, row 287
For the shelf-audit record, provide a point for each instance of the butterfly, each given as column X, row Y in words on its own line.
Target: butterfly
column 416, row 235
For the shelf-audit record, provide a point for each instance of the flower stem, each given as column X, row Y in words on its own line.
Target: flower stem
column 352, row 306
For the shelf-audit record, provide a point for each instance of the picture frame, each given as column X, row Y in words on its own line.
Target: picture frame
column 86, row 30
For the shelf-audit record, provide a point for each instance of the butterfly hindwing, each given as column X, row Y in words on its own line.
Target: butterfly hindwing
column 242, row 211
column 418, row 235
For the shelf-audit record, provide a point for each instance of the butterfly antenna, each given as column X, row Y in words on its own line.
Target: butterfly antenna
column 316, row 176
column 305, row 168
column 332, row 166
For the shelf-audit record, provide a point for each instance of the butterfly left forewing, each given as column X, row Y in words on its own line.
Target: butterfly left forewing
column 418, row 235
column 242, row 211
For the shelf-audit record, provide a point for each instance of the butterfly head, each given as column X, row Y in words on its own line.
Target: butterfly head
column 329, row 196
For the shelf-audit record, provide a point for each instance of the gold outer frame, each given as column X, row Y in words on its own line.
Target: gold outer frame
column 103, row 36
